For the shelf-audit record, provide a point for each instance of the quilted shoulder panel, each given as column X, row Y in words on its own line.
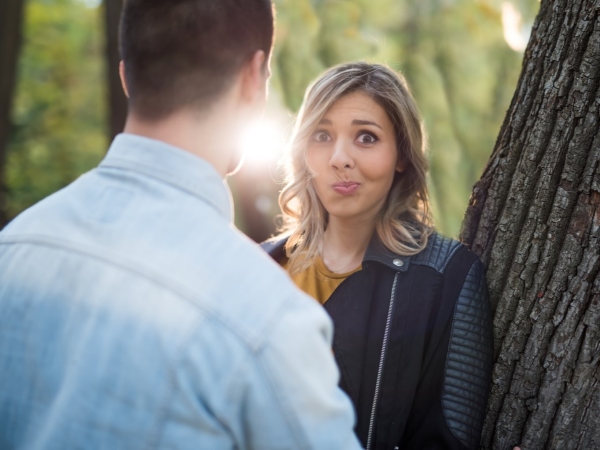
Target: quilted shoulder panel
column 467, row 376
column 274, row 246
column 437, row 253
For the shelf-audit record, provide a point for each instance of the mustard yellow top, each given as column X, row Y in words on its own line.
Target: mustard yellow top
column 317, row 280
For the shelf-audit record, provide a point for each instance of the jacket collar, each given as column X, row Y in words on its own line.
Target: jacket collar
column 171, row 165
column 376, row 252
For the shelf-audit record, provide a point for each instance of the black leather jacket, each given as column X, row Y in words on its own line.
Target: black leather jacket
column 413, row 341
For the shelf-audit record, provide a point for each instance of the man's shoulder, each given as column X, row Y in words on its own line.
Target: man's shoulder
column 258, row 290
column 228, row 277
column 184, row 245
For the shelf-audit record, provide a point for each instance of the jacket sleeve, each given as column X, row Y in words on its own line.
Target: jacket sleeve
column 467, row 374
column 450, row 405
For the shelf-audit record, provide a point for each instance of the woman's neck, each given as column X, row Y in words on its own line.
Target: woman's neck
column 345, row 243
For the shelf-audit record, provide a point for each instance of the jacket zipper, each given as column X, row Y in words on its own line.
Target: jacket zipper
column 386, row 333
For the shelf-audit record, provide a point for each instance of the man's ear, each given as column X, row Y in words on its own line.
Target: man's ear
column 255, row 75
column 123, row 80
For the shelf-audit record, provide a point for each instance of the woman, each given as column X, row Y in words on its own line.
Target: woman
column 413, row 334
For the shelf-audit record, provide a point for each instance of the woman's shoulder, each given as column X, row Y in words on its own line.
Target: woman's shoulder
column 442, row 251
column 275, row 246
column 440, row 254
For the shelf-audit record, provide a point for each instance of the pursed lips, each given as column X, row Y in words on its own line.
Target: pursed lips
column 345, row 187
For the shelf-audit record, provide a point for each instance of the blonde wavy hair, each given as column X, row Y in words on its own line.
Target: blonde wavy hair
column 404, row 222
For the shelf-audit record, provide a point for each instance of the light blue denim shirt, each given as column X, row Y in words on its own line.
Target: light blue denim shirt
column 133, row 315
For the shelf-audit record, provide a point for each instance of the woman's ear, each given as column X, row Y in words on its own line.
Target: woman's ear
column 400, row 165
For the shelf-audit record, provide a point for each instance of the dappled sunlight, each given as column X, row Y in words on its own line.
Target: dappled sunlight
column 91, row 3
column 516, row 34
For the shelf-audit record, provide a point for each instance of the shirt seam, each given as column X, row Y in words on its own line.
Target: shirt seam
column 136, row 268
column 289, row 418
column 286, row 411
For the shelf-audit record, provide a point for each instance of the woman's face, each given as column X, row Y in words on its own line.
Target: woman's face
column 353, row 152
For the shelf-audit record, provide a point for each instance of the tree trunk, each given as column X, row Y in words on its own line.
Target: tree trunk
column 11, row 22
column 534, row 218
column 117, row 102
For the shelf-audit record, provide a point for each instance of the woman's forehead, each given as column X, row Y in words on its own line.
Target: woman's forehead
column 358, row 107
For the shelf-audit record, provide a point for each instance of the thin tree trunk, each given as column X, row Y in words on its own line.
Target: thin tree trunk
column 11, row 23
column 534, row 218
column 117, row 102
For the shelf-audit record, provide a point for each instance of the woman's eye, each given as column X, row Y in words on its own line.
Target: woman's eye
column 320, row 136
column 367, row 138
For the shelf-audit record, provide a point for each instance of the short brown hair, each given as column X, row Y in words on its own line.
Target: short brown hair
column 185, row 53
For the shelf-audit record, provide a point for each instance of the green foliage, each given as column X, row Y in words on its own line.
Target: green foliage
column 453, row 55
column 452, row 52
column 59, row 111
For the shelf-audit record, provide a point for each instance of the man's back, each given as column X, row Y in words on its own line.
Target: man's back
column 133, row 315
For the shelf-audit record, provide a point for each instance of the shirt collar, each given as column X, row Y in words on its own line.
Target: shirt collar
column 172, row 165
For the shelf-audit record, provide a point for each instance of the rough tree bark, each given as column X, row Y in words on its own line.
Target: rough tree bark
column 11, row 22
column 117, row 102
column 534, row 218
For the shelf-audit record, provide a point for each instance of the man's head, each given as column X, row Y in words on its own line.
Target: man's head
column 182, row 54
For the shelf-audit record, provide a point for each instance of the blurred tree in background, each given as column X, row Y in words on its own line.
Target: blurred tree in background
column 58, row 114
column 11, row 21
column 454, row 53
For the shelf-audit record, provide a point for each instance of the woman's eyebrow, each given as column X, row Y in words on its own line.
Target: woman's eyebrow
column 365, row 122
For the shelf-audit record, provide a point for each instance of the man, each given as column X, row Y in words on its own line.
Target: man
column 132, row 313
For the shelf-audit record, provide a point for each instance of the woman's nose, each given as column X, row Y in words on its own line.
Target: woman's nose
column 341, row 158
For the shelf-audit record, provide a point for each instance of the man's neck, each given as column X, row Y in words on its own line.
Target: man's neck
column 207, row 135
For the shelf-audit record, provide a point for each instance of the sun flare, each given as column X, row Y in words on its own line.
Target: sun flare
column 262, row 143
